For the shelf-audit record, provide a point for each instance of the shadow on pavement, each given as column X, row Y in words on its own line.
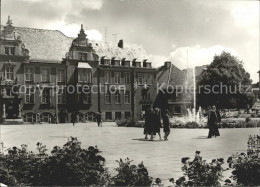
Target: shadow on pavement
column 201, row 137
column 147, row 140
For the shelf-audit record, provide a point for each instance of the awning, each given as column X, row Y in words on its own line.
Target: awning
column 84, row 65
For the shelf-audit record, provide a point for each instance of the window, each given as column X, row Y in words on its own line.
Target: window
column 127, row 97
column 83, row 56
column 127, row 115
column 177, row 109
column 46, row 117
column 117, row 63
column 117, row 97
column 148, row 65
column 87, row 98
column 138, row 64
column 7, row 50
column 61, row 75
column 107, row 76
column 45, row 75
column 127, row 78
column 108, row 97
column 12, row 50
column 117, row 115
column 30, row 117
column 127, row 63
column 145, row 95
column 29, row 95
column 28, row 74
column 90, row 116
column 9, row 72
column 108, row 115
column 61, row 96
column 46, row 96
column 140, row 78
column 117, row 77
column 106, row 62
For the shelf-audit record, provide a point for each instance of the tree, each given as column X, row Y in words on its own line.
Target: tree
column 224, row 83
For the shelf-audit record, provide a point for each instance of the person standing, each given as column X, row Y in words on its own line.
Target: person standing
column 99, row 119
column 212, row 122
column 166, row 125
column 73, row 117
column 216, row 131
column 156, row 121
column 147, row 122
column 209, row 122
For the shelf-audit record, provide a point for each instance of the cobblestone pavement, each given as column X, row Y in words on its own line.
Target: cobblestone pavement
column 162, row 158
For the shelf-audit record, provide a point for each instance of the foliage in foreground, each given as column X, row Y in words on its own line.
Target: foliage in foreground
column 201, row 173
column 246, row 170
column 73, row 166
column 69, row 165
column 131, row 175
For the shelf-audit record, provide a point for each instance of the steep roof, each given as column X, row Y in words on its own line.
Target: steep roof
column 177, row 77
column 52, row 45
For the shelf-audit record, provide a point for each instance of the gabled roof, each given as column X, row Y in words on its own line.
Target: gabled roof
column 52, row 45
column 177, row 77
column 46, row 45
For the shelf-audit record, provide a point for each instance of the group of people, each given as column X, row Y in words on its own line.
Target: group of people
column 153, row 123
column 214, row 119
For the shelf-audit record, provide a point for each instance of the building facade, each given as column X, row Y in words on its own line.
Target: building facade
column 45, row 76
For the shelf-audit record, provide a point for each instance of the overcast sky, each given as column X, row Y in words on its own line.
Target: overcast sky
column 165, row 28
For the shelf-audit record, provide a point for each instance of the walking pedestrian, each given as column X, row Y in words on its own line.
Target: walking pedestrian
column 215, row 130
column 73, row 117
column 156, row 123
column 147, row 122
column 99, row 119
column 213, row 123
column 166, row 125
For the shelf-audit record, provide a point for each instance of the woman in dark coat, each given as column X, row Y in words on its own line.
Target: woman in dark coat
column 73, row 118
column 213, row 123
column 215, row 130
column 147, row 122
column 156, row 123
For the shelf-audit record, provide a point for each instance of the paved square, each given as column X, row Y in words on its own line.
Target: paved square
column 163, row 159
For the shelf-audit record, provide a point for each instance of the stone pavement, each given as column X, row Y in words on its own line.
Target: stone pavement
column 162, row 158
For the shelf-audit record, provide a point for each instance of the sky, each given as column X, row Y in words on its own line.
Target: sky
column 179, row 31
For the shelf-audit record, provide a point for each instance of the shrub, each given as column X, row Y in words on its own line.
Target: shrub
column 131, row 122
column 248, row 119
column 121, row 123
column 69, row 165
column 131, row 175
column 201, row 173
column 246, row 169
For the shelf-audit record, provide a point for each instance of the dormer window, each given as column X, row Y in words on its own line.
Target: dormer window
column 83, row 56
column 137, row 64
column 106, row 62
column 148, row 65
column 116, row 63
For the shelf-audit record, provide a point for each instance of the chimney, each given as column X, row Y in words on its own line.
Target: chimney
column 120, row 44
column 167, row 64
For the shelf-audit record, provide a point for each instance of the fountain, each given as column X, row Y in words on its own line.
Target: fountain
column 192, row 116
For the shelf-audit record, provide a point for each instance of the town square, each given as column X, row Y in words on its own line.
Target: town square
column 129, row 93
